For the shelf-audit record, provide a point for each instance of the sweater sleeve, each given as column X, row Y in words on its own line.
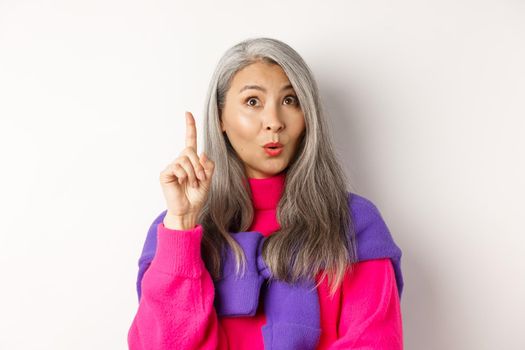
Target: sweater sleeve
column 176, row 308
column 370, row 312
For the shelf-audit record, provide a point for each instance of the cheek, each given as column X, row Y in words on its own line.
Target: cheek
column 245, row 128
column 299, row 127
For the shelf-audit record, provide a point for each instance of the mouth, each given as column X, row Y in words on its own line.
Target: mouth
column 273, row 150
column 273, row 145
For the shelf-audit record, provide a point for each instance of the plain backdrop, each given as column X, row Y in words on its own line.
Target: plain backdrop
column 426, row 104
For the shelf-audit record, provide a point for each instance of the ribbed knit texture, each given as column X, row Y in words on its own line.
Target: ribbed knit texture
column 167, row 262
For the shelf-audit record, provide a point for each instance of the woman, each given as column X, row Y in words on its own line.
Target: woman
column 261, row 245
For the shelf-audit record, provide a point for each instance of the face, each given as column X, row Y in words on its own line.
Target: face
column 261, row 106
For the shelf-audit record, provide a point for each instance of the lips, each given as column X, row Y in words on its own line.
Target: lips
column 273, row 148
column 273, row 145
column 273, row 152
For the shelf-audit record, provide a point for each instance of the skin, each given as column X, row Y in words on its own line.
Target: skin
column 252, row 118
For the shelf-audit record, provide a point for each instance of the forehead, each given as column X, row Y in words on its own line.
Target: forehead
column 270, row 76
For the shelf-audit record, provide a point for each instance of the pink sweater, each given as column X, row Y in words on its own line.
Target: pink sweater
column 176, row 307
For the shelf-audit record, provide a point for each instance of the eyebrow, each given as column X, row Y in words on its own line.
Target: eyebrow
column 257, row 87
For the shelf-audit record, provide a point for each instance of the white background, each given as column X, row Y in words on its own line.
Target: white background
column 426, row 102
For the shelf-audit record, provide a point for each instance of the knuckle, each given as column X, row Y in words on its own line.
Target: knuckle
column 190, row 165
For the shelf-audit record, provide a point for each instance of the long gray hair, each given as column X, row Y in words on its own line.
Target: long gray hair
column 316, row 231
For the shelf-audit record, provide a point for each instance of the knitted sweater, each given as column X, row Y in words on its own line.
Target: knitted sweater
column 176, row 304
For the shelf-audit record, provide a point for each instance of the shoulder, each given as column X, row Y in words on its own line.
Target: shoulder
column 361, row 206
column 373, row 237
column 364, row 213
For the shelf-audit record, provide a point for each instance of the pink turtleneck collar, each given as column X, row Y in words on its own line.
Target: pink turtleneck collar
column 267, row 192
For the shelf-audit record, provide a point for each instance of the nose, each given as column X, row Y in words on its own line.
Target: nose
column 273, row 121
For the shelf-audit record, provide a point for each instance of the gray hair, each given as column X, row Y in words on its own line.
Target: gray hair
column 313, row 212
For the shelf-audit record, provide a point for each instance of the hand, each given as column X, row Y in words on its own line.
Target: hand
column 186, row 181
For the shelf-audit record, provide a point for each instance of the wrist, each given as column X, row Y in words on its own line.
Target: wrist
column 180, row 222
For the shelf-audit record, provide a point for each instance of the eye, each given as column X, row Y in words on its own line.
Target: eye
column 294, row 99
column 251, row 98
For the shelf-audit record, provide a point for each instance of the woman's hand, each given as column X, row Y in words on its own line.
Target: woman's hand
column 186, row 181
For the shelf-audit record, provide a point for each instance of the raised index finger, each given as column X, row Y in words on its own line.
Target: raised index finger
column 191, row 132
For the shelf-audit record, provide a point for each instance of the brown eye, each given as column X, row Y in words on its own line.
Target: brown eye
column 294, row 99
column 251, row 99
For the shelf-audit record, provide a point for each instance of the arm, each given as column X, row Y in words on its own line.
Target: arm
column 370, row 313
column 176, row 303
